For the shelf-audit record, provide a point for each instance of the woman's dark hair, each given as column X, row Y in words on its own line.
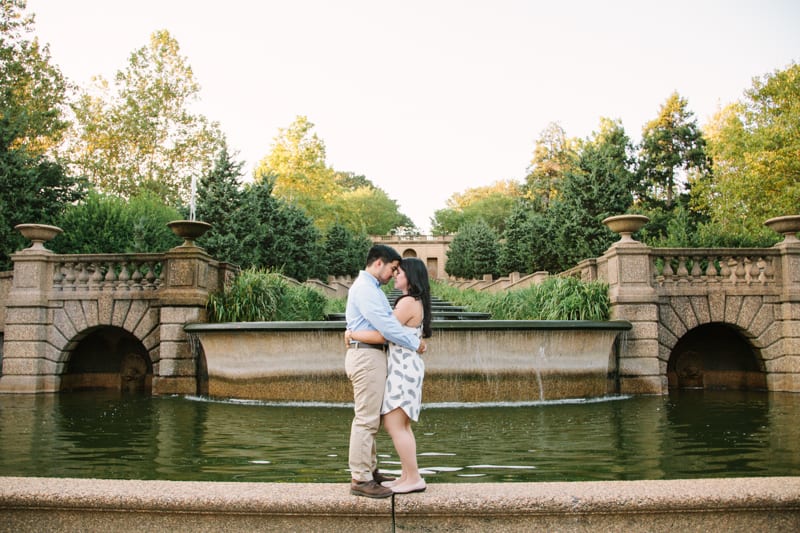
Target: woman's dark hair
column 419, row 287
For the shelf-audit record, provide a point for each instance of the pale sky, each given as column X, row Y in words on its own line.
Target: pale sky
column 428, row 98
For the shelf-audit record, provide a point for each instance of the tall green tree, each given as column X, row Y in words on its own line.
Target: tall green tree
column 368, row 210
column 599, row 186
column 33, row 186
column 672, row 146
column 516, row 249
column 297, row 163
column 344, row 251
column 278, row 235
column 32, row 189
column 473, row 252
column 301, row 173
column 33, row 91
column 554, row 154
column 139, row 133
column 220, row 201
column 363, row 207
column 493, row 203
column 755, row 148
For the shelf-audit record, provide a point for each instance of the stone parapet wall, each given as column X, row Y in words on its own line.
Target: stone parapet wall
column 736, row 504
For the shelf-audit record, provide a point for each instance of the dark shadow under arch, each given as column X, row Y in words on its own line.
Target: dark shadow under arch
column 109, row 357
column 715, row 356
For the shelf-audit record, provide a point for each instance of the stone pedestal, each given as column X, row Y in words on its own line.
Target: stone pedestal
column 784, row 369
column 30, row 363
column 187, row 284
column 626, row 267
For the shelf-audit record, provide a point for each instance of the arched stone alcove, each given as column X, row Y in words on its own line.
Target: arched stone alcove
column 715, row 356
column 108, row 357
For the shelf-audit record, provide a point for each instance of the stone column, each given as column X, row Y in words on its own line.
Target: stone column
column 189, row 278
column 30, row 363
column 627, row 269
column 782, row 358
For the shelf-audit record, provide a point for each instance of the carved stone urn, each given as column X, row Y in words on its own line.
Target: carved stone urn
column 38, row 234
column 626, row 225
column 788, row 226
column 189, row 230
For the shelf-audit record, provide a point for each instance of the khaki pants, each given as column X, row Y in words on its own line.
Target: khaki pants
column 366, row 369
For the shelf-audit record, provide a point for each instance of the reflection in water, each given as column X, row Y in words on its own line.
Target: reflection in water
column 684, row 435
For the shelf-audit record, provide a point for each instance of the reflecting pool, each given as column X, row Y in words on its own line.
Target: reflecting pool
column 691, row 434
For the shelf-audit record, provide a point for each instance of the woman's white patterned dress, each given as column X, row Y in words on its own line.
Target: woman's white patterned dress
column 404, row 379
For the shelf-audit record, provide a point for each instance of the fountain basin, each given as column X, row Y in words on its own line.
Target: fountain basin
column 467, row 361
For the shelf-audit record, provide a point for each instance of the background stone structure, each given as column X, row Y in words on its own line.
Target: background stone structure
column 53, row 304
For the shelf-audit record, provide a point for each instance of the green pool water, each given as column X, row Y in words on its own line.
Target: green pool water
column 691, row 434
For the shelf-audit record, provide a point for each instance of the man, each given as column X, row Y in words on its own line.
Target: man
column 365, row 364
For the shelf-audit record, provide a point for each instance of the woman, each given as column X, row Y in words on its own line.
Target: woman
column 403, row 395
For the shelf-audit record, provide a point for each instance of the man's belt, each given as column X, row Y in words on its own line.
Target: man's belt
column 365, row 346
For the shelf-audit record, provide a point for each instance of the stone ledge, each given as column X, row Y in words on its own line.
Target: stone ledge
column 737, row 504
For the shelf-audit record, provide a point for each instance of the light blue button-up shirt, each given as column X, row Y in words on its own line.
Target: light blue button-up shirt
column 368, row 309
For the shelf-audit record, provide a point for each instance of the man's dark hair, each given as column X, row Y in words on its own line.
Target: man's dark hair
column 386, row 253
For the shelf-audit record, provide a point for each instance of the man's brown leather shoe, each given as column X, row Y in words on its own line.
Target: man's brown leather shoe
column 380, row 478
column 370, row 489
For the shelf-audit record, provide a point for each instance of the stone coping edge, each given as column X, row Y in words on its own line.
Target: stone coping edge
column 738, row 504
column 547, row 325
column 485, row 499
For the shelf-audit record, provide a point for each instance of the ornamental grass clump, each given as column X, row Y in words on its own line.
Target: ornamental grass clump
column 258, row 295
column 556, row 298
column 569, row 298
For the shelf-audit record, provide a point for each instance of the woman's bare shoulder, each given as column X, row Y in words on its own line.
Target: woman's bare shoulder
column 406, row 309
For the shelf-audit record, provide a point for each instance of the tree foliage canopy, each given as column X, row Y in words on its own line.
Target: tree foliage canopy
column 297, row 163
column 33, row 187
column 137, row 140
column 672, row 145
column 554, row 154
column 755, row 147
column 33, row 91
column 138, row 133
column 473, row 252
column 492, row 203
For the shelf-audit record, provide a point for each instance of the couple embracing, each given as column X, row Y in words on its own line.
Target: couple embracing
column 391, row 389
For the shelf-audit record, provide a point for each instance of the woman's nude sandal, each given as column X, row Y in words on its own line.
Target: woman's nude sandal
column 408, row 489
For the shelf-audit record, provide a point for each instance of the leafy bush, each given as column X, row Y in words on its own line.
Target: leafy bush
column 110, row 224
column 554, row 299
column 335, row 305
column 262, row 295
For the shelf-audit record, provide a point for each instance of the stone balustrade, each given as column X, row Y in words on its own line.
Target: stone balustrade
column 735, row 266
column 108, row 272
